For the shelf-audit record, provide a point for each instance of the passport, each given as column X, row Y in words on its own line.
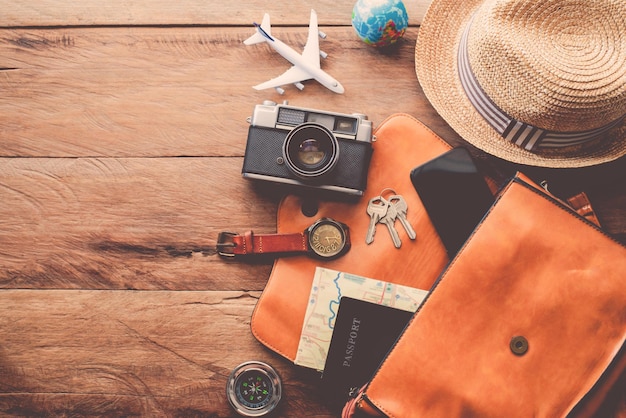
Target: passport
column 363, row 334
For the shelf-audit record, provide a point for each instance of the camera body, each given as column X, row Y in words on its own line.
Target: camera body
column 311, row 148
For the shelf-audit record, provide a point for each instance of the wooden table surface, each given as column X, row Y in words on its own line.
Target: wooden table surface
column 122, row 134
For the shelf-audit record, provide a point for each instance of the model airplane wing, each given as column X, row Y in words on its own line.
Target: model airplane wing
column 291, row 76
column 311, row 52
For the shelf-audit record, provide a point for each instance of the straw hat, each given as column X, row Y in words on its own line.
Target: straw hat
column 534, row 82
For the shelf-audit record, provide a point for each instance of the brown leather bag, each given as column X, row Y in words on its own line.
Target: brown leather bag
column 528, row 320
column 401, row 143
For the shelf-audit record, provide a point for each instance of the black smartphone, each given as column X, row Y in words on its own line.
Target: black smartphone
column 455, row 195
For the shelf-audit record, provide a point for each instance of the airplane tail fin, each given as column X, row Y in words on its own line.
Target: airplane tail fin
column 263, row 32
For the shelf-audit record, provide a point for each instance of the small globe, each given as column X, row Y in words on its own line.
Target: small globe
column 379, row 23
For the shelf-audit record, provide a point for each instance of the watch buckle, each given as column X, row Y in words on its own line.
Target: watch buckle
column 225, row 244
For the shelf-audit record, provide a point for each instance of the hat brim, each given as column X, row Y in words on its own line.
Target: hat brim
column 437, row 71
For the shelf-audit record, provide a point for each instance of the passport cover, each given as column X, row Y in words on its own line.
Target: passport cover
column 363, row 334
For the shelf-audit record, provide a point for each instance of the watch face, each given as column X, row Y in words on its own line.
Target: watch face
column 253, row 389
column 328, row 238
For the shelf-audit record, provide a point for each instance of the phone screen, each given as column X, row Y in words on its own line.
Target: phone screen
column 455, row 195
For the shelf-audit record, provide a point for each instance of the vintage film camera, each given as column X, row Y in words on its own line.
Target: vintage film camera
column 306, row 147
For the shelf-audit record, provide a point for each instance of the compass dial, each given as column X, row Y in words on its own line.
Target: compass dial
column 253, row 389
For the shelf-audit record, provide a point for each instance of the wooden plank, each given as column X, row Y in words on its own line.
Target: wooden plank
column 127, row 223
column 146, row 223
column 184, row 12
column 178, row 91
column 122, row 353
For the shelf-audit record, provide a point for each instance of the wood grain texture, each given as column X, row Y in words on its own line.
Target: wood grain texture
column 185, row 12
column 122, row 353
column 122, row 135
column 127, row 223
column 176, row 91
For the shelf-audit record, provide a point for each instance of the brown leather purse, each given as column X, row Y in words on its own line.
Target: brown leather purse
column 529, row 319
column 533, row 252
column 402, row 143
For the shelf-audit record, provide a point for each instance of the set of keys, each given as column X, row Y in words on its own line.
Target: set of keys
column 386, row 211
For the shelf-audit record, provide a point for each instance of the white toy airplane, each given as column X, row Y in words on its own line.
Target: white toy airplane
column 305, row 66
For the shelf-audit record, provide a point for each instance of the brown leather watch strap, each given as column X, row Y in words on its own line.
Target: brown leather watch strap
column 579, row 203
column 250, row 243
column 582, row 205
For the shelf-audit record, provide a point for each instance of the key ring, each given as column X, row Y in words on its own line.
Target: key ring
column 386, row 189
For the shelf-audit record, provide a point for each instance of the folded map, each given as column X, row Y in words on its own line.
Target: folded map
column 326, row 291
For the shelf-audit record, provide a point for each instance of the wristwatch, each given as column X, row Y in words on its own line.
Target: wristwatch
column 326, row 239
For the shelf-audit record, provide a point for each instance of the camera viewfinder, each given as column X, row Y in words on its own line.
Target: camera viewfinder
column 345, row 126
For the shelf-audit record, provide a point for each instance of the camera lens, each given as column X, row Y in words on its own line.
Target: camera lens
column 311, row 150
